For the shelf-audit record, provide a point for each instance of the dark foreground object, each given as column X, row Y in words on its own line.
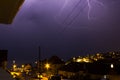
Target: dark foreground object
column 8, row 10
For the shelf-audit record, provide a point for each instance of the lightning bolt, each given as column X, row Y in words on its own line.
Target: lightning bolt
column 89, row 8
column 92, row 2
column 77, row 8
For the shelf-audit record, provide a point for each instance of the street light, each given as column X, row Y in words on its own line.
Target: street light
column 112, row 66
column 47, row 66
column 39, row 76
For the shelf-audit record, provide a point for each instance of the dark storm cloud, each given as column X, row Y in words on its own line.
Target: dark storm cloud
column 40, row 23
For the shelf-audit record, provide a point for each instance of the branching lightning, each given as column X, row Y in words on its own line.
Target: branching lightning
column 90, row 4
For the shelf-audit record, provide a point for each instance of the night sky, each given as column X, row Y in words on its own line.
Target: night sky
column 63, row 28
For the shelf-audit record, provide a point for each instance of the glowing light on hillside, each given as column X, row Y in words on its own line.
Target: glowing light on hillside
column 112, row 66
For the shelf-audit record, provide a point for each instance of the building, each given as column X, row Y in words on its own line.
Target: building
column 3, row 58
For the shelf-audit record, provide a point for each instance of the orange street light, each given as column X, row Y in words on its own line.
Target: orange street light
column 47, row 66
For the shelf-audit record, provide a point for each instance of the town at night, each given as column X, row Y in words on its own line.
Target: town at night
column 59, row 40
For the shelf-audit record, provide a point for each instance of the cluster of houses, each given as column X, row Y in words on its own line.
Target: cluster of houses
column 94, row 67
column 91, row 67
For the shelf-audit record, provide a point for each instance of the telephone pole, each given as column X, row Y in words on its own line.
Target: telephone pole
column 39, row 61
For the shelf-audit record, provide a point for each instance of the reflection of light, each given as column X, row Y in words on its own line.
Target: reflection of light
column 105, row 76
column 23, row 66
column 86, row 60
column 95, row 59
column 39, row 76
column 22, row 69
column 79, row 60
column 83, row 60
column 14, row 74
column 112, row 66
column 13, row 61
column 36, row 62
column 14, row 66
column 74, row 59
